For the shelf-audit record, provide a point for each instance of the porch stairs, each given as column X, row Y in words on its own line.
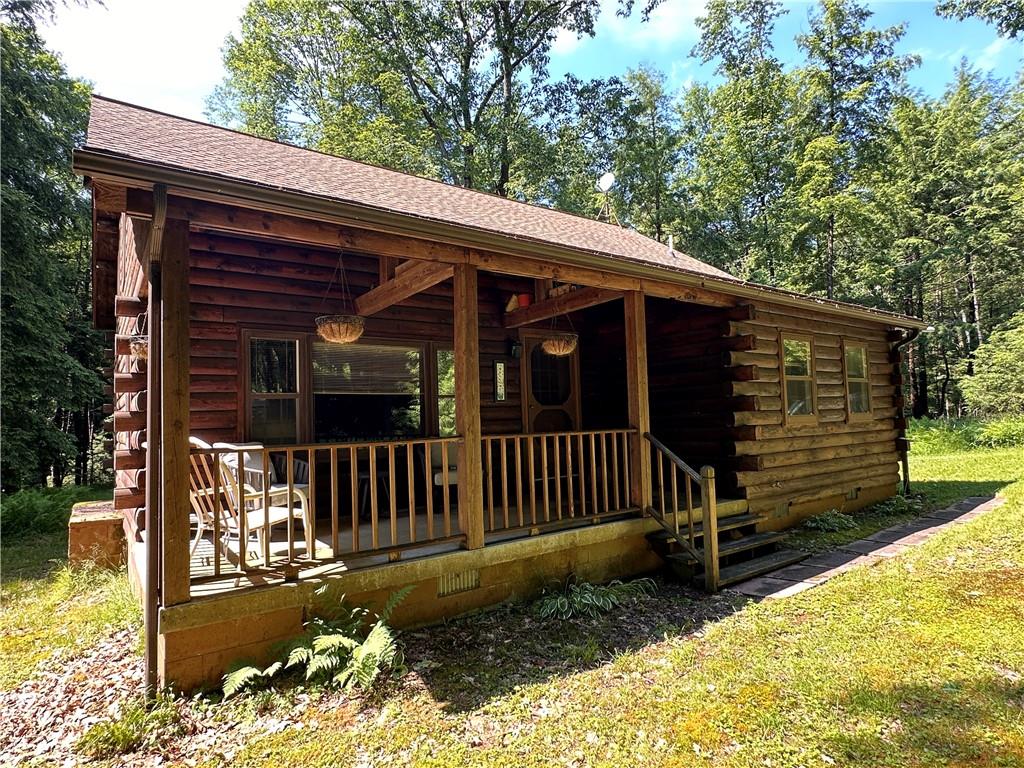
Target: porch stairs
column 743, row 553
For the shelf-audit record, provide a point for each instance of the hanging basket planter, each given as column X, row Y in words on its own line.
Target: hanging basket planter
column 340, row 329
column 139, row 346
column 560, row 345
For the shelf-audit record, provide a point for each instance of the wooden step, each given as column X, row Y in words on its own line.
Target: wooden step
column 724, row 524
column 732, row 574
column 735, row 546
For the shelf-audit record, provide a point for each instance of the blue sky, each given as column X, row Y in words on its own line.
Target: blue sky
column 175, row 69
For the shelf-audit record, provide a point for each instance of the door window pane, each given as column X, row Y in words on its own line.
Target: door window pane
column 273, row 420
column 446, row 393
column 551, row 377
column 273, row 365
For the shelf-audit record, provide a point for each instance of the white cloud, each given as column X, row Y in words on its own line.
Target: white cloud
column 566, row 42
column 671, row 22
column 989, row 57
column 158, row 54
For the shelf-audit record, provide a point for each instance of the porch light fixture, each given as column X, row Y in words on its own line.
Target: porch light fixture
column 340, row 329
column 560, row 344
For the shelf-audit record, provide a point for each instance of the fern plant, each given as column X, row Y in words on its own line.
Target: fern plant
column 335, row 649
column 591, row 600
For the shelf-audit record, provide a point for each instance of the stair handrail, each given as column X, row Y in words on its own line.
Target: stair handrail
column 709, row 509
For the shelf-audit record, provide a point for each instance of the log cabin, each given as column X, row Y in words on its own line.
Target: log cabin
column 330, row 372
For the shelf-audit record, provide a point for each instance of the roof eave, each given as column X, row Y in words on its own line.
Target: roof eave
column 102, row 164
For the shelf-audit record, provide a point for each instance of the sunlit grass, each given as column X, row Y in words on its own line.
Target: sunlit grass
column 913, row 662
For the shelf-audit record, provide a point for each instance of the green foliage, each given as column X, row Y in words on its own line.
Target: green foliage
column 929, row 437
column 1007, row 15
column 50, row 389
column 830, row 521
column 997, row 386
column 140, row 725
column 335, row 649
column 584, row 599
column 43, row 510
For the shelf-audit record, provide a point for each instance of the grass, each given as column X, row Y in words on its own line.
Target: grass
column 937, row 481
column 917, row 661
column 49, row 608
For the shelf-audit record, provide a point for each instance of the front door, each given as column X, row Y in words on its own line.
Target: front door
column 551, row 388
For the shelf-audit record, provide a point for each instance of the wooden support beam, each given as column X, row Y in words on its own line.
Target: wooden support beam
column 637, row 394
column 573, row 301
column 408, row 282
column 174, row 413
column 156, row 230
column 467, row 405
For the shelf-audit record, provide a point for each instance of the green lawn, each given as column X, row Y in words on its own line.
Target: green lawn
column 912, row 662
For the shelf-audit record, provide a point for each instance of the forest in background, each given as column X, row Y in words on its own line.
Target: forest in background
column 830, row 176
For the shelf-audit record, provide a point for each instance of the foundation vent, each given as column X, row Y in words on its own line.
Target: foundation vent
column 453, row 583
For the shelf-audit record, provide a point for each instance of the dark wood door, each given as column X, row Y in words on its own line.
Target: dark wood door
column 551, row 385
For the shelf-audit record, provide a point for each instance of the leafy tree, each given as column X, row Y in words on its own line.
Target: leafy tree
column 1007, row 15
column 50, row 387
column 997, row 386
column 851, row 78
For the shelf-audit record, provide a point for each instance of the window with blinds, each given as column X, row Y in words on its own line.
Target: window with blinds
column 366, row 391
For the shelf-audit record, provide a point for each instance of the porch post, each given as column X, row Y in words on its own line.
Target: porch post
column 639, row 409
column 174, row 416
column 467, row 405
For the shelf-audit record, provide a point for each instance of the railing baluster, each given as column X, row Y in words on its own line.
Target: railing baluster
column 626, row 461
column 265, row 461
column 675, row 498
column 489, row 478
column 504, row 480
column 689, row 508
column 558, row 478
column 218, row 511
column 334, row 500
column 353, row 477
column 544, row 475
column 309, row 518
column 568, row 475
column 593, row 475
column 428, row 471
column 374, row 533
column 519, row 478
column 661, row 481
column 446, row 493
column 289, row 458
column 615, row 471
column 392, row 494
column 532, row 480
column 581, row 460
column 243, row 519
column 604, row 470
column 411, row 493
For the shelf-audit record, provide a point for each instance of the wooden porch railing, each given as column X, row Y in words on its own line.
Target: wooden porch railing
column 666, row 493
column 383, row 498
column 550, row 479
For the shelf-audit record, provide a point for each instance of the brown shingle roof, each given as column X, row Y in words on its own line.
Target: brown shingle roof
column 135, row 133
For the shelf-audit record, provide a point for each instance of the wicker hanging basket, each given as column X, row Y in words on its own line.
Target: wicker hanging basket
column 139, row 346
column 340, row 329
column 560, row 344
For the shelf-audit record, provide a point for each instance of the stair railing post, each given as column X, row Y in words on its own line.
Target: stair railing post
column 709, row 515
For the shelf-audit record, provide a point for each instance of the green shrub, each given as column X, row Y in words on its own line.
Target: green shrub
column 830, row 521
column 335, row 649
column 139, row 725
column 898, row 506
column 44, row 510
column 584, row 599
column 932, row 437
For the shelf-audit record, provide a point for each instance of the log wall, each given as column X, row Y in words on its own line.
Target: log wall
column 788, row 470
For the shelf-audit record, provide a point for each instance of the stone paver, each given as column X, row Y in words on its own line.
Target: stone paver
column 887, row 543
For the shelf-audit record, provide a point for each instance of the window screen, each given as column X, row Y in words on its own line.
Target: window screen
column 858, row 383
column 273, row 390
column 798, row 370
column 446, row 393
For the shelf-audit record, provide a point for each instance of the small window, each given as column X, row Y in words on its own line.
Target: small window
column 273, row 390
column 858, row 381
column 366, row 391
column 798, row 378
column 446, row 393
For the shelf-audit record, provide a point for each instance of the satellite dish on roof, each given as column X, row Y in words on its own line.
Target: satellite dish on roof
column 605, row 182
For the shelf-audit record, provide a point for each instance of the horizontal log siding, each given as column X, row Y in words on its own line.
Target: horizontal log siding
column 241, row 283
column 688, row 367
column 781, row 464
